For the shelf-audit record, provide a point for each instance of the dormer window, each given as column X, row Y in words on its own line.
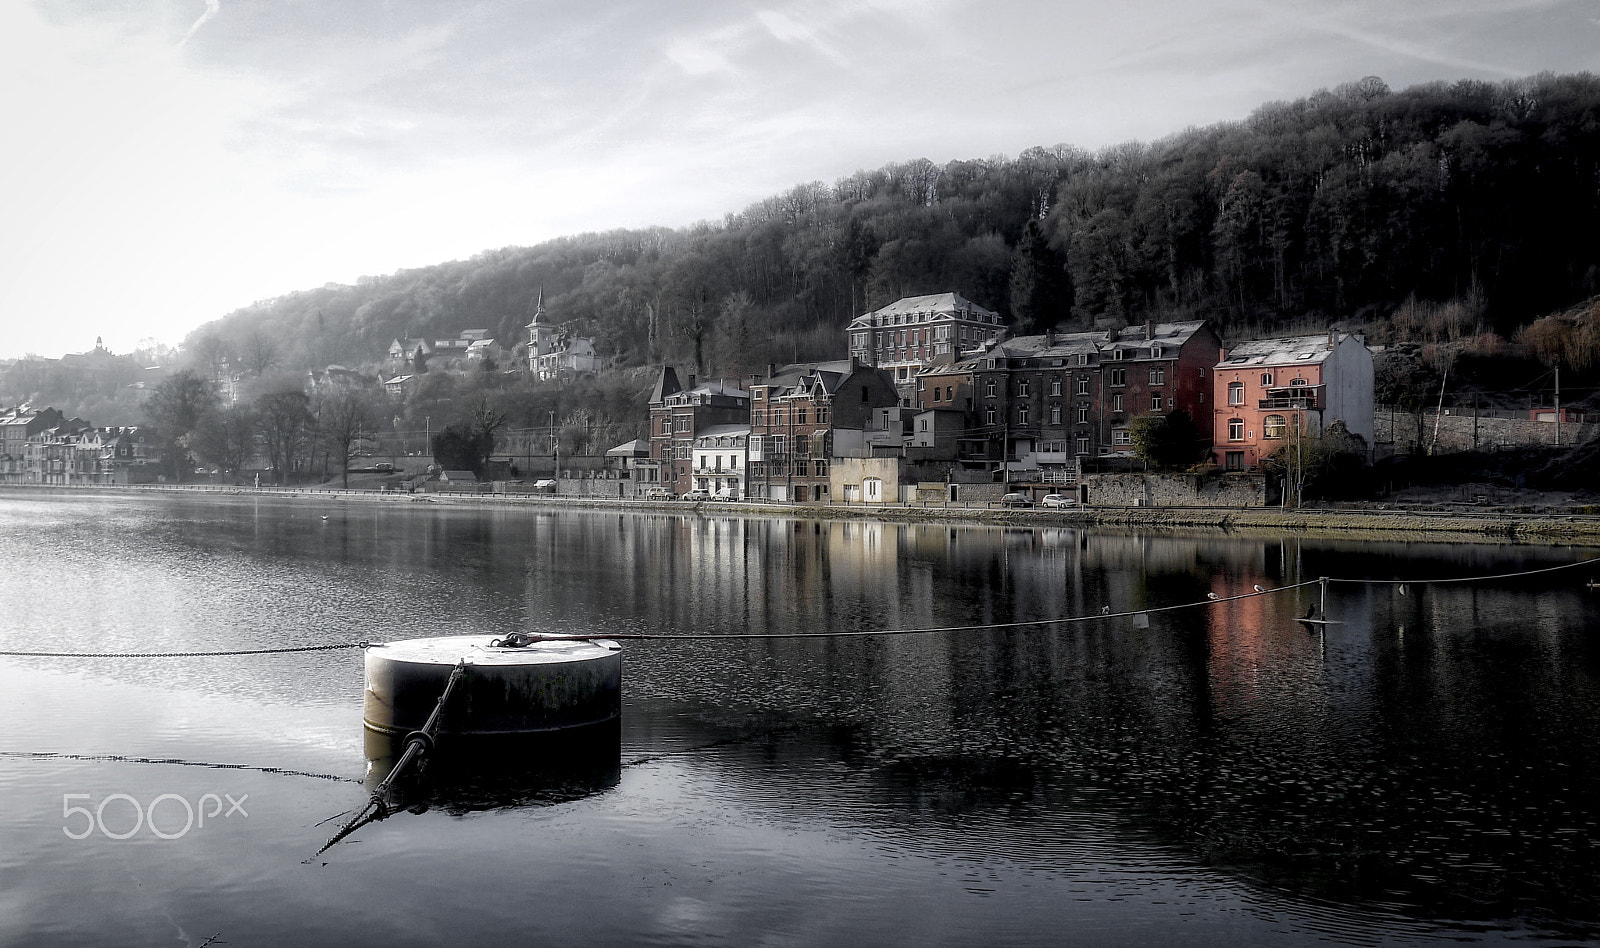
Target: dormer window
column 1155, row 352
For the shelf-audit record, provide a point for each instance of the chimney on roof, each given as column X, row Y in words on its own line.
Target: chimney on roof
column 1148, row 335
column 1330, row 339
column 772, row 367
column 691, row 380
column 1050, row 337
column 853, row 363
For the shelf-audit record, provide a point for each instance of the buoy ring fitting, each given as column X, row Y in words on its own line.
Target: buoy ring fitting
column 420, row 737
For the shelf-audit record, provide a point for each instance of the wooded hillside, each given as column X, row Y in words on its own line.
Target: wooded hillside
column 1344, row 205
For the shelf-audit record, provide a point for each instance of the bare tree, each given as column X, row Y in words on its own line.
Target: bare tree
column 286, row 427
column 176, row 408
column 226, row 438
column 346, row 418
column 258, row 353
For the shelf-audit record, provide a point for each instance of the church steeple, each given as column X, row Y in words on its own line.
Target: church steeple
column 538, row 308
column 541, row 336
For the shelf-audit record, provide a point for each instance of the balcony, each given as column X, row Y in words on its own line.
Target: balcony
column 1293, row 398
column 1299, row 403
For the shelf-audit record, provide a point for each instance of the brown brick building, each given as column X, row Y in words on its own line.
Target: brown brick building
column 677, row 414
column 1049, row 405
column 797, row 416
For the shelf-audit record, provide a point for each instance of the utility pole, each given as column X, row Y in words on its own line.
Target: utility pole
column 1558, row 404
column 555, row 451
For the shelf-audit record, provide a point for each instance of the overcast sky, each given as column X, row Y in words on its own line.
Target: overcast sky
column 167, row 161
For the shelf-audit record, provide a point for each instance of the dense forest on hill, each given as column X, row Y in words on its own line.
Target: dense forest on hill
column 1344, row 205
column 1449, row 215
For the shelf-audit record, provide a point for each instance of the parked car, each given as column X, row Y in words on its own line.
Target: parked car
column 725, row 494
column 1016, row 500
column 1057, row 500
column 697, row 494
column 658, row 493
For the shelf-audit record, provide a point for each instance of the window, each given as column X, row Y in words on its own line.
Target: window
column 1022, row 388
column 1055, row 415
column 990, row 417
column 822, row 413
column 936, row 393
column 1273, row 427
column 780, row 446
column 1083, row 358
column 1116, row 402
column 922, row 385
column 1155, row 401
column 988, row 388
column 1022, row 415
column 1055, row 387
column 1121, row 436
column 1083, row 445
column 1116, row 354
column 802, row 469
column 1083, row 416
column 1158, row 375
column 800, row 416
column 1236, row 393
column 950, row 393
column 758, row 418
column 779, row 416
column 1266, row 378
column 922, row 424
column 683, row 423
column 1119, row 377
column 1155, row 352
column 1297, row 381
column 1083, row 385
column 1234, row 461
column 1235, row 429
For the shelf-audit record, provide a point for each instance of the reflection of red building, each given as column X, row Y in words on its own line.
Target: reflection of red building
column 1269, row 390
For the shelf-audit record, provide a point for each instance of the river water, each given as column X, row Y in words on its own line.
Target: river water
column 1423, row 772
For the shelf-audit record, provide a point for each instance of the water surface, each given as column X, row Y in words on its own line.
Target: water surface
column 1423, row 772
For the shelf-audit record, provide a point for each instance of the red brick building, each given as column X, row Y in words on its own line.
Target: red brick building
column 1268, row 390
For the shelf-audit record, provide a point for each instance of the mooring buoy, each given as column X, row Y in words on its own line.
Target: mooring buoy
column 535, row 688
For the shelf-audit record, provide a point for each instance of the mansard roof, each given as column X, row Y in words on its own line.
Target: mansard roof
column 937, row 305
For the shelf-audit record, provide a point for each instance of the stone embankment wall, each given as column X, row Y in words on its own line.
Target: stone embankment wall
column 1459, row 431
column 1177, row 490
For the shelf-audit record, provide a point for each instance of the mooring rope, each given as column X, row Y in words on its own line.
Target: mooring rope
column 1103, row 615
column 418, row 743
column 175, row 762
column 1464, row 579
column 339, row 646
